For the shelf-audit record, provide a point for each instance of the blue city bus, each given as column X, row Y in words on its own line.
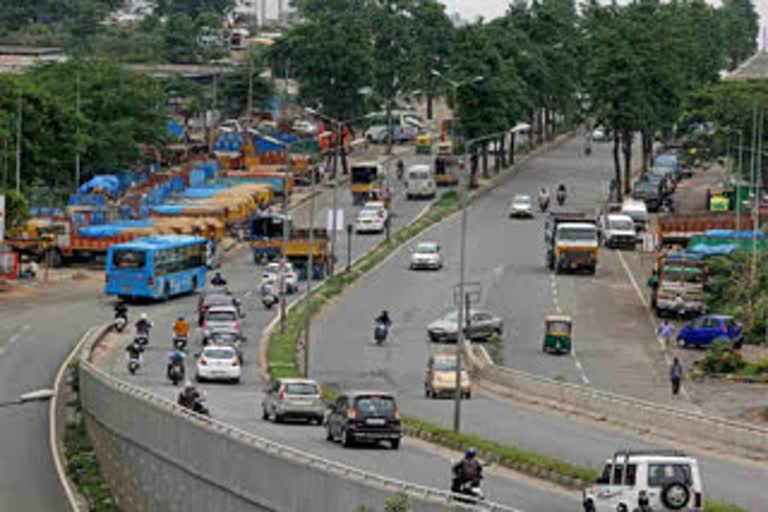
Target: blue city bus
column 156, row 267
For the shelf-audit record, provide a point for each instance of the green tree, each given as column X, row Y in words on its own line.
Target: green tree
column 740, row 27
column 180, row 41
column 235, row 87
column 192, row 8
column 16, row 210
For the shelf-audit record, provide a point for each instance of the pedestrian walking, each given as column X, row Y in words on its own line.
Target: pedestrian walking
column 665, row 332
column 676, row 375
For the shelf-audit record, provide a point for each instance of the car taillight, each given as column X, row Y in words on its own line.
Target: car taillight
column 698, row 500
column 235, row 362
column 203, row 362
column 205, row 323
column 237, row 325
column 320, row 395
column 204, row 308
column 351, row 414
column 397, row 414
column 281, row 394
column 150, row 281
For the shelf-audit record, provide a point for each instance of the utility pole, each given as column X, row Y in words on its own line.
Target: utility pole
column 284, row 258
column 461, row 306
column 738, row 184
column 753, row 183
column 77, row 153
column 250, row 86
column 18, row 145
column 310, row 272
column 336, row 156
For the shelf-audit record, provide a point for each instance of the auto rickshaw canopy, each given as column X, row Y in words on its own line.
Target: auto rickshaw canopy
column 557, row 324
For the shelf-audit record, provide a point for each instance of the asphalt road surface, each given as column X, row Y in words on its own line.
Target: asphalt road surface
column 615, row 347
column 240, row 404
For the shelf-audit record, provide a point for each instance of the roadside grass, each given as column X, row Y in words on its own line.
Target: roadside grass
column 765, row 413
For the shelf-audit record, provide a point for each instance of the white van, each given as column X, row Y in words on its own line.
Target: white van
column 419, row 182
column 638, row 211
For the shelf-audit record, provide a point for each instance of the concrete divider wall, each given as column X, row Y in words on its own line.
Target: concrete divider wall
column 158, row 456
column 660, row 419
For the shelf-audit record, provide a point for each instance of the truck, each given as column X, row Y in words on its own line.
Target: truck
column 571, row 241
column 679, row 228
column 679, row 284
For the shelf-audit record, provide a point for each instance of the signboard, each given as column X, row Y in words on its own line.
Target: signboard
column 2, row 218
column 339, row 219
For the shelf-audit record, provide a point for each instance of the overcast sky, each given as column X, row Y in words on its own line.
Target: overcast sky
column 492, row 8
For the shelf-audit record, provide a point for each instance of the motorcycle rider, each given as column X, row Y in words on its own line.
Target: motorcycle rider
column 561, row 193
column 188, row 396
column 468, row 469
column 543, row 198
column 400, row 169
column 181, row 328
column 135, row 350
column 384, row 319
column 175, row 358
column 218, row 280
column 268, row 293
column 143, row 325
column 121, row 310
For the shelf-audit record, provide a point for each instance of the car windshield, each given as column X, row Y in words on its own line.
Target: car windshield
column 445, row 364
column 577, row 234
column 368, row 214
column 221, row 316
column 219, row 353
column 645, row 187
column 623, row 224
column 217, row 299
column 636, row 215
column 375, row 405
column 274, row 268
column 522, row 200
column 426, row 248
column 301, row 388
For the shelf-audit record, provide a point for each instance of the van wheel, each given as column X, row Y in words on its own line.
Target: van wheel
column 395, row 443
column 328, row 435
column 346, row 439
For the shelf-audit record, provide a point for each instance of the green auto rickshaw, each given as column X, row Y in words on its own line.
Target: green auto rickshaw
column 557, row 334
column 424, row 143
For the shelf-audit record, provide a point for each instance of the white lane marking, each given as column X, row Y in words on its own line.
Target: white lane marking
column 248, row 293
column 555, row 300
column 651, row 318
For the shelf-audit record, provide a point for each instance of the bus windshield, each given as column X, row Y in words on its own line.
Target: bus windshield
column 267, row 227
column 363, row 174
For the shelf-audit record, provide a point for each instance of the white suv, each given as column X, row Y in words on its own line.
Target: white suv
column 669, row 478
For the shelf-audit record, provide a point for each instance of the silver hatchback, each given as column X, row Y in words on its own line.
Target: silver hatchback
column 293, row 399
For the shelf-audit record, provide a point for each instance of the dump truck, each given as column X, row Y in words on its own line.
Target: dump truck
column 571, row 242
column 679, row 228
column 679, row 285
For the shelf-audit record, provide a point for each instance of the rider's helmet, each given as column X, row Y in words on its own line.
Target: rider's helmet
column 143, row 316
column 188, row 386
column 180, row 319
column 385, row 313
column 471, row 452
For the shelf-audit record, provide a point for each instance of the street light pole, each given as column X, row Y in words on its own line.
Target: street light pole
column 334, row 213
column 18, row 145
column 310, row 272
column 462, row 271
column 283, row 259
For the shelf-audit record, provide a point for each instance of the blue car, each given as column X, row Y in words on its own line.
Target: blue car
column 707, row 329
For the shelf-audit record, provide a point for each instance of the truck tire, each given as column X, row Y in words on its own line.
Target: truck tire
column 54, row 258
column 593, row 269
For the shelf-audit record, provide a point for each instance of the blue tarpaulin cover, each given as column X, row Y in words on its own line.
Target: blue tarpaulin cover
column 170, row 209
column 712, row 250
column 113, row 229
column 730, row 233
column 175, row 128
column 107, row 182
column 203, row 192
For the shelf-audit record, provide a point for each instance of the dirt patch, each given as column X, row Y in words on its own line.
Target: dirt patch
column 756, row 416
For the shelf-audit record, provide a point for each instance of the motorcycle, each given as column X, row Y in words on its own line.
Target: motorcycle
column 119, row 323
column 560, row 197
column 380, row 332
column 134, row 363
column 269, row 301
column 199, row 407
column 467, row 491
column 176, row 373
column 142, row 338
column 180, row 342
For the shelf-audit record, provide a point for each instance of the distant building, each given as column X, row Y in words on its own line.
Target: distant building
column 754, row 68
column 17, row 59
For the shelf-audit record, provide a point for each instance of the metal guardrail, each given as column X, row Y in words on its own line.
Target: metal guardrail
column 314, row 461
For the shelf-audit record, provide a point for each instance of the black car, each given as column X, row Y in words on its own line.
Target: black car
column 364, row 416
column 649, row 193
column 213, row 298
column 665, row 184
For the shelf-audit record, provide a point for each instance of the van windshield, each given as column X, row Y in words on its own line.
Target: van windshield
column 418, row 175
column 636, row 215
column 577, row 234
column 375, row 406
column 621, row 224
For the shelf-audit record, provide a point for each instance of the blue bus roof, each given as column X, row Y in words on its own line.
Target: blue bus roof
column 161, row 242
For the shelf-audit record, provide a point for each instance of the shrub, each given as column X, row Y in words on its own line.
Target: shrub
column 721, row 358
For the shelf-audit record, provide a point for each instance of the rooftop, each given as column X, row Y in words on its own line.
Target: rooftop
column 754, row 68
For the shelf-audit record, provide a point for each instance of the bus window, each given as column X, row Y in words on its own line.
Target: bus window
column 129, row 259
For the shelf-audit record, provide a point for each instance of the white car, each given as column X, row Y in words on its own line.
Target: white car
column 369, row 221
column 521, row 206
column 599, row 134
column 271, row 275
column 378, row 207
column 617, row 230
column 669, row 478
column 426, row 255
column 218, row 363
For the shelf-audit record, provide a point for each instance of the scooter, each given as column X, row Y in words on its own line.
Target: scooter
column 120, row 322
column 543, row 205
column 560, row 197
column 176, row 373
column 142, row 338
column 269, row 301
column 180, row 342
column 380, row 332
column 468, row 491
column 134, row 363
